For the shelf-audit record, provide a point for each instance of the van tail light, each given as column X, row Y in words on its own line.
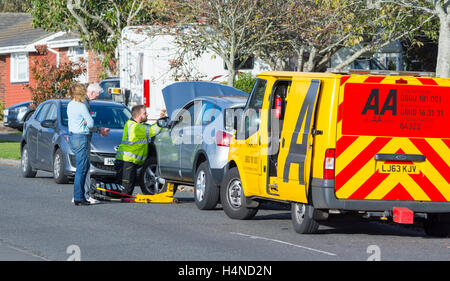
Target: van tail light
column 223, row 138
column 328, row 164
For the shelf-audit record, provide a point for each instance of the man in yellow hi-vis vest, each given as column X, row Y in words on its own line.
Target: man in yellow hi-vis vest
column 133, row 150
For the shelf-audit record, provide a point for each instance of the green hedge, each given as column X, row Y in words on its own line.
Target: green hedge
column 244, row 82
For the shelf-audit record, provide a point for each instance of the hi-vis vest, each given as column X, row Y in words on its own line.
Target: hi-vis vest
column 134, row 146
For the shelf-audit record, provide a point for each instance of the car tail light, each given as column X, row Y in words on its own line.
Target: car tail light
column 223, row 138
column 328, row 164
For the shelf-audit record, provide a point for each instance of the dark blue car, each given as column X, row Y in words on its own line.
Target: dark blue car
column 16, row 115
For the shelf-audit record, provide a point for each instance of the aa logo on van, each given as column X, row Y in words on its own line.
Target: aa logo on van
column 373, row 104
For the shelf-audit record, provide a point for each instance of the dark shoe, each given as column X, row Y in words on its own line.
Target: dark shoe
column 81, row 203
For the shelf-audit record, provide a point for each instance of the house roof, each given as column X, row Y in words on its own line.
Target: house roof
column 16, row 30
column 18, row 35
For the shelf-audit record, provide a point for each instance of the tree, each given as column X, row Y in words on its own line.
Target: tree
column 99, row 23
column 319, row 28
column 315, row 30
column 380, row 25
column 439, row 9
column 14, row 6
column 229, row 28
column 51, row 81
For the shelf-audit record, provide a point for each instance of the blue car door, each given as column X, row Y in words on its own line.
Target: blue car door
column 46, row 139
column 192, row 139
column 33, row 135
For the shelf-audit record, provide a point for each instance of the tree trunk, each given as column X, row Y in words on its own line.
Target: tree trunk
column 352, row 58
column 300, row 54
column 311, row 60
column 231, row 73
column 443, row 59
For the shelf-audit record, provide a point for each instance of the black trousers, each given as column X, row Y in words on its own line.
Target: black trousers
column 126, row 175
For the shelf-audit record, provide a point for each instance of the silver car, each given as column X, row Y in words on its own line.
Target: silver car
column 192, row 148
column 44, row 144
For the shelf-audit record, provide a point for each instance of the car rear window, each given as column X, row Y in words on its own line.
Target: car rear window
column 112, row 117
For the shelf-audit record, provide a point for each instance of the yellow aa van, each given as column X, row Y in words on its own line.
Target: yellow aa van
column 333, row 143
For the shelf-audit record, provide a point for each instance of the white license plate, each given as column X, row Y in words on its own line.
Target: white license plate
column 109, row 161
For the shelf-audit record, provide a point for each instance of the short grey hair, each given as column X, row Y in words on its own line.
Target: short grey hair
column 94, row 87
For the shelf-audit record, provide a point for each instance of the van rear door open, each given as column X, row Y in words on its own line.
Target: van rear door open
column 294, row 159
column 393, row 141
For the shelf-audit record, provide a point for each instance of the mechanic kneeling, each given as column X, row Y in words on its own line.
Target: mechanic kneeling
column 133, row 150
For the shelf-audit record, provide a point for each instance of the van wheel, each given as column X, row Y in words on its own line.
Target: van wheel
column 437, row 225
column 302, row 218
column 233, row 198
column 58, row 168
column 206, row 192
column 27, row 170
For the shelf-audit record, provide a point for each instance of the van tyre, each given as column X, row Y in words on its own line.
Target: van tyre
column 233, row 198
column 437, row 225
column 205, row 190
column 303, row 218
column 58, row 168
column 27, row 170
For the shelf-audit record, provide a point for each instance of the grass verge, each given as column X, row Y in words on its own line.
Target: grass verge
column 9, row 149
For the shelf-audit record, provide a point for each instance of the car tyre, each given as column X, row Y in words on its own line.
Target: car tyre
column 58, row 168
column 303, row 218
column 233, row 198
column 27, row 170
column 205, row 190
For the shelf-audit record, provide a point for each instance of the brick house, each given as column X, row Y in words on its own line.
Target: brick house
column 17, row 48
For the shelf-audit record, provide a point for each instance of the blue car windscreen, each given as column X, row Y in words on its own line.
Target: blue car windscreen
column 112, row 117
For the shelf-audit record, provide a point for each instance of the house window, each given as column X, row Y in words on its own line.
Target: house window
column 77, row 54
column 19, row 68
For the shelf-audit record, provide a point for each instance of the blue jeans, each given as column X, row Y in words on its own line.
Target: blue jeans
column 81, row 146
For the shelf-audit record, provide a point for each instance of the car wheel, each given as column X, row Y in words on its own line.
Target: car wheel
column 149, row 179
column 206, row 192
column 233, row 198
column 27, row 170
column 58, row 168
column 302, row 218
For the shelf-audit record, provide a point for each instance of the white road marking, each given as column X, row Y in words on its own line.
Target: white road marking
column 25, row 252
column 283, row 242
